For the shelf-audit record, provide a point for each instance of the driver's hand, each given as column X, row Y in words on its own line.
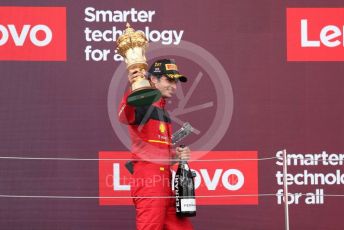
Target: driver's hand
column 183, row 153
column 134, row 73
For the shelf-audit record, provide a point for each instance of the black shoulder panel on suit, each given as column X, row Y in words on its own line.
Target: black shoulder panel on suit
column 144, row 113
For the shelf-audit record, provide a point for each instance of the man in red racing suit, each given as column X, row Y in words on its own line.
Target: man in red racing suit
column 150, row 132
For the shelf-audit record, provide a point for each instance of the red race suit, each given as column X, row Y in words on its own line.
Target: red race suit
column 150, row 132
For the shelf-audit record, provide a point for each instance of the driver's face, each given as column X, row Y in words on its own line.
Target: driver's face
column 166, row 86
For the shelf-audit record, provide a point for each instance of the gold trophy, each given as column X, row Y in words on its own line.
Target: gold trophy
column 131, row 45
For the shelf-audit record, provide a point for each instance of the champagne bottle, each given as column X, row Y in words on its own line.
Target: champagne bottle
column 184, row 187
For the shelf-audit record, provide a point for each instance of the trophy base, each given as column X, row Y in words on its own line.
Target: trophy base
column 144, row 97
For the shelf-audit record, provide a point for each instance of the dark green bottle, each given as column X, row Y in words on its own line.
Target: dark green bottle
column 184, row 187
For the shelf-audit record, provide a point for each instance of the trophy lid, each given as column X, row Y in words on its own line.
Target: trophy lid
column 130, row 39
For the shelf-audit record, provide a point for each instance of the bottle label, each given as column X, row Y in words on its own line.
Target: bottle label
column 188, row 205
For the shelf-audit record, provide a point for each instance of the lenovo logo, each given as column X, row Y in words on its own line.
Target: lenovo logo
column 39, row 34
column 19, row 37
column 230, row 179
column 213, row 178
column 315, row 34
column 329, row 36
